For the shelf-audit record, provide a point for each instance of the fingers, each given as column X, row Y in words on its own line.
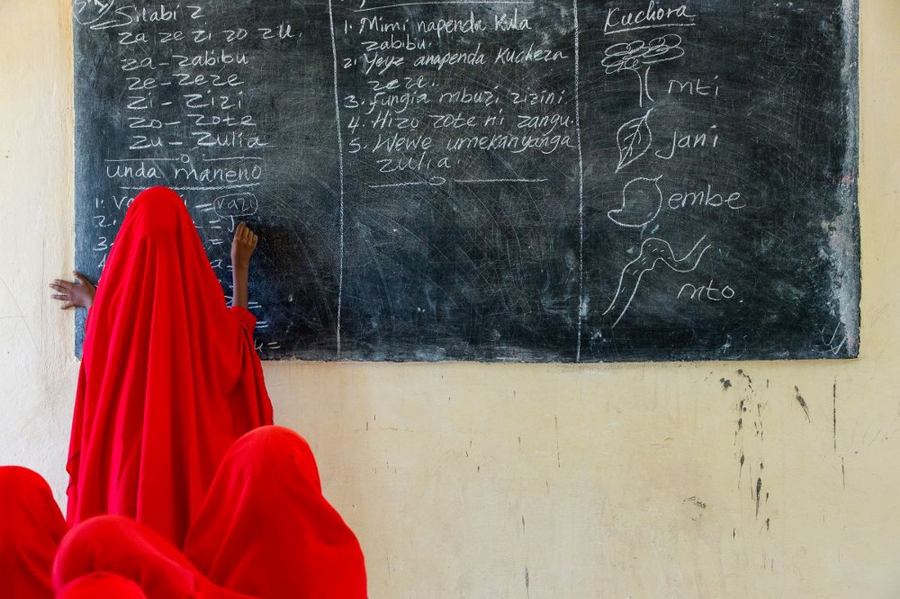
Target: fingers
column 61, row 286
column 66, row 286
column 239, row 233
column 71, row 294
column 82, row 279
column 62, row 297
column 245, row 236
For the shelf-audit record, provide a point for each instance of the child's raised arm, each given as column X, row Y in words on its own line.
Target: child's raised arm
column 242, row 248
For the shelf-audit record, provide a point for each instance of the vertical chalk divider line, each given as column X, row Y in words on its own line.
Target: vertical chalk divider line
column 340, row 141
column 580, row 307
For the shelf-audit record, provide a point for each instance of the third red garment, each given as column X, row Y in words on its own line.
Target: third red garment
column 267, row 531
column 264, row 532
column 102, row 585
column 118, row 558
column 169, row 378
column 31, row 527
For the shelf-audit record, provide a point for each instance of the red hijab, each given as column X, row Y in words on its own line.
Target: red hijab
column 101, row 585
column 169, row 379
column 31, row 527
column 266, row 530
column 111, row 553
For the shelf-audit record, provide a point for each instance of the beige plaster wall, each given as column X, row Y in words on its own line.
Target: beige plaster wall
column 525, row 481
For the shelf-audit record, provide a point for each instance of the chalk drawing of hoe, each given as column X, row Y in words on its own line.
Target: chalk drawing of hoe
column 641, row 203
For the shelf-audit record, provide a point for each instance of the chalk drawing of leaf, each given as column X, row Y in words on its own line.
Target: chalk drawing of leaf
column 634, row 139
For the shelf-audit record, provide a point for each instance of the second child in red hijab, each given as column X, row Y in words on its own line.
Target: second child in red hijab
column 169, row 378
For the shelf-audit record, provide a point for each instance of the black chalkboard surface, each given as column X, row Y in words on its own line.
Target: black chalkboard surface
column 505, row 181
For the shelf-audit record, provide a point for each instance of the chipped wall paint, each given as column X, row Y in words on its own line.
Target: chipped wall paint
column 543, row 481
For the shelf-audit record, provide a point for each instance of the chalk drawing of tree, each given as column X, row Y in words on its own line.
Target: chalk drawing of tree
column 634, row 56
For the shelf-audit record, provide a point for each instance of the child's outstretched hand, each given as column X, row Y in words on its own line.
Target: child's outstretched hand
column 78, row 294
column 243, row 246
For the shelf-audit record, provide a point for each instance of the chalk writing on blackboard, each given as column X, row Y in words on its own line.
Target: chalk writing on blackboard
column 508, row 180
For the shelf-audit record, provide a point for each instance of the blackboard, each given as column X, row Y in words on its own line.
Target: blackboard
column 494, row 181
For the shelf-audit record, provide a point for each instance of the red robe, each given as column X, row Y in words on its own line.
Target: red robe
column 169, row 378
column 102, row 585
column 265, row 531
column 31, row 527
column 128, row 555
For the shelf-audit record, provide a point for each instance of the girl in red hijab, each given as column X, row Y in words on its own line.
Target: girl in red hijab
column 31, row 527
column 169, row 377
column 108, row 553
column 265, row 531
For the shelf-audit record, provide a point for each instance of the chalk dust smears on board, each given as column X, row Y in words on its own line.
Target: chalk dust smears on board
column 494, row 181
